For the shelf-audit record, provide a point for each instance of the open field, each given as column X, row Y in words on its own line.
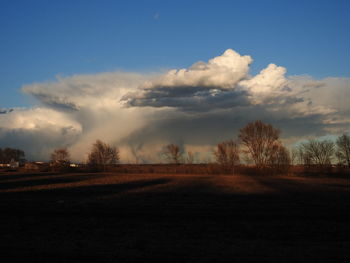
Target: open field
column 95, row 217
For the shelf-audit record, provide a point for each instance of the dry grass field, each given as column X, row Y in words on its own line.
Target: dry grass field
column 111, row 217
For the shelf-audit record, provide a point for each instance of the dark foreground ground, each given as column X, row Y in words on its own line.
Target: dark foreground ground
column 188, row 218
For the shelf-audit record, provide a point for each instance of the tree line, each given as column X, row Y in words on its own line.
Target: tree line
column 257, row 143
column 9, row 154
column 323, row 153
column 100, row 156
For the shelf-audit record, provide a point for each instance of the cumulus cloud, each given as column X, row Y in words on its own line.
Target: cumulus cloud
column 195, row 107
column 222, row 83
column 37, row 130
column 90, row 102
column 81, row 91
column 223, row 71
column 270, row 79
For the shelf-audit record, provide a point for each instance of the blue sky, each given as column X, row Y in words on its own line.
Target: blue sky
column 42, row 39
column 140, row 105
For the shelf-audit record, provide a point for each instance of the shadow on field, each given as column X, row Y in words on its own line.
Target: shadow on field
column 287, row 186
column 180, row 218
column 73, row 192
column 30, row 182
column 6, row 177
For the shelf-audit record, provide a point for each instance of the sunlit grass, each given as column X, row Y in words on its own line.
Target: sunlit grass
column 220, row 184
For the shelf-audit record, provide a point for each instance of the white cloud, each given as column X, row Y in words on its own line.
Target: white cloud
column 38, row 119
column 195, row 107
column 270, row 79
column 223, row 71
column 38, row 130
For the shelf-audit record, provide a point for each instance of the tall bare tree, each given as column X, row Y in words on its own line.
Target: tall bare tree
column 318, row 153
column 259, row 140
column 305, row 157
column 227, row 155
column 299, row 156
column 102, row 155
column 343, row 149
column 280, row 159
column 294, row 156
column 173, row 153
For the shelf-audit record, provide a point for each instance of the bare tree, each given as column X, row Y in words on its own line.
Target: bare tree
column 259, row 140
column 294, row 156
column 343, row 149
column 102, row 155
column 8, row 154
column 304, row 157
column 227, row 155
column 60, row 158
column 299, row 156
column 307, row 159
column 60, row 155
column 173, row 153
column 318, row 152
column 280, row 159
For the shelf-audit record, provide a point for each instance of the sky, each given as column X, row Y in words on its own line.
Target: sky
column 106, row 69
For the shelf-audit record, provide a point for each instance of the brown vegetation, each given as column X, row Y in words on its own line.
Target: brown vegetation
column 102, row 155
column 317, row 152
column 8, row 154
column 109, row 217
column 60, row 159
column 343, row 150
column 173, row 153
column 261, row 144
column 227, row 155
column 183, row 211
column 258, row 143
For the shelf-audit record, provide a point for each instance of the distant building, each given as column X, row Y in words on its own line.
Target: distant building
column 14, row 164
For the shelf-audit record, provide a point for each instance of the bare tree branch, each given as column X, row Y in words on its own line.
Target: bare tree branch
column 102, row 155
